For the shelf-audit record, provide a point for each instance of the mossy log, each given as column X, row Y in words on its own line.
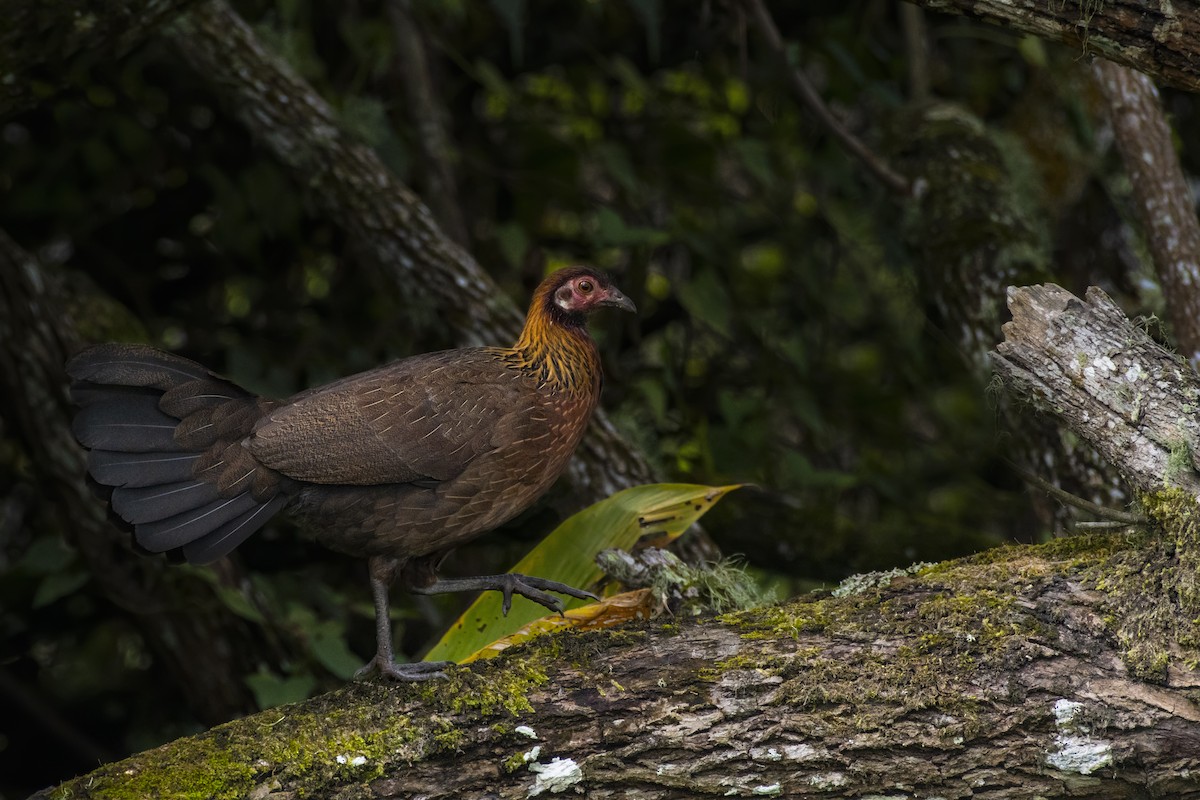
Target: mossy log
column 1049, row 671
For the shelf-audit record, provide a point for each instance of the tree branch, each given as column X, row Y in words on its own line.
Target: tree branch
column 1161, row 196
column 428, row 118
column 1107, row 380
column 810, row 98
column 1160, row 39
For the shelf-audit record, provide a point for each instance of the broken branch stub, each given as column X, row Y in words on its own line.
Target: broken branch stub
column 1088, row 364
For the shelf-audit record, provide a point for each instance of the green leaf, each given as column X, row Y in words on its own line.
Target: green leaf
column 659, row 511
column 328, row 644
column 706, row 299
column 45, row 555
column 272, row 690
column 237, row 602
column 611, row 230
column 56, row 585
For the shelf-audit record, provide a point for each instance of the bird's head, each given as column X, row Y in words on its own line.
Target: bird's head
column 575, row 291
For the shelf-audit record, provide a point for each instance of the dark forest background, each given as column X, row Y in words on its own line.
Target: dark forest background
column 801, row 326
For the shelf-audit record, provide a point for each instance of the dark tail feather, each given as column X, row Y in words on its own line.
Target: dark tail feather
column 154, row 503
column 126, row 423
column 181, row 529
column 134, row 365
column 132, row 470
column 231, row 534
column 143, row 413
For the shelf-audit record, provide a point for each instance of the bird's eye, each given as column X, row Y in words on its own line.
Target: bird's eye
column 586, row 286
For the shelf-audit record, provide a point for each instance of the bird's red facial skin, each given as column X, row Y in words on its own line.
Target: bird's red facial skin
column 580, row 294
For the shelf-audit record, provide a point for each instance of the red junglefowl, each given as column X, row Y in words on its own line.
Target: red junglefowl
column 398, row 465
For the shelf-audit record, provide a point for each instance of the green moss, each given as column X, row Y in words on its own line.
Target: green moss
column 1179, row 461
column 322, row 742
column 917, row 639
column 960, row 615
column 514, row 762
column 1152, row 595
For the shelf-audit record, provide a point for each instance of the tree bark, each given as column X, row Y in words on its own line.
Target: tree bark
column 1160, row 39
column 992, row 678
column 1161, row 195
column 1106, row 379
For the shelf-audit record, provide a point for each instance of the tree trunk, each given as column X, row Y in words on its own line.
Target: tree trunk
column 977, row 227
column 1059, row 670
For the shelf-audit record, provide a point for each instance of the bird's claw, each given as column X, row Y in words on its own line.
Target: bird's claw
column 413, row 671
column 537, row 590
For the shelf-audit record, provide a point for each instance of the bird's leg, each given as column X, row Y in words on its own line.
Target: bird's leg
column 509, row 583
column 383, row 570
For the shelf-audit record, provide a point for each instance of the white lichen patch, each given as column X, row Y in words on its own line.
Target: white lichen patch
column 857, row 584
column 828, row 780
column 354, row 761
column 1066, row 712
column 525, row 730
column 765, row 754
column 1075, row 749
column 799, row 752
column 557, row 776
column 532, row 755
column 769, row 790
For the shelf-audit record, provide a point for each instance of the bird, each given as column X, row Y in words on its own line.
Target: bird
column 398, row 465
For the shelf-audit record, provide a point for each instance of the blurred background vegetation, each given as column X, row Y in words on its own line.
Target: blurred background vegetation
column 788, row 334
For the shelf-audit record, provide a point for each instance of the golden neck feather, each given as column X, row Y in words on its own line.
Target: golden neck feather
column 562, row 354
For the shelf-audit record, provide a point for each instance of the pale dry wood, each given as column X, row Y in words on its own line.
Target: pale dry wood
column 1124, row 394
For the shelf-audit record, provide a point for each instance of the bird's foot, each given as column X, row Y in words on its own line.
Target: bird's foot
column 508, row 584
column 412, row 671
column 536, row 589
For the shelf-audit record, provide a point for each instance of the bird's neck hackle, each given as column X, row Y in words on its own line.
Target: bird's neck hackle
column 557, row 346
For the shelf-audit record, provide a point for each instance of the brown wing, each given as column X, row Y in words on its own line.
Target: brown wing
column 423, row 418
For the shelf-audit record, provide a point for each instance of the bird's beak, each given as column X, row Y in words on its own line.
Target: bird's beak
column 615, row 299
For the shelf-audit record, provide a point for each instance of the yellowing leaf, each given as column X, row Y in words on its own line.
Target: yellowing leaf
column 615, row 610
column 657, row 512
